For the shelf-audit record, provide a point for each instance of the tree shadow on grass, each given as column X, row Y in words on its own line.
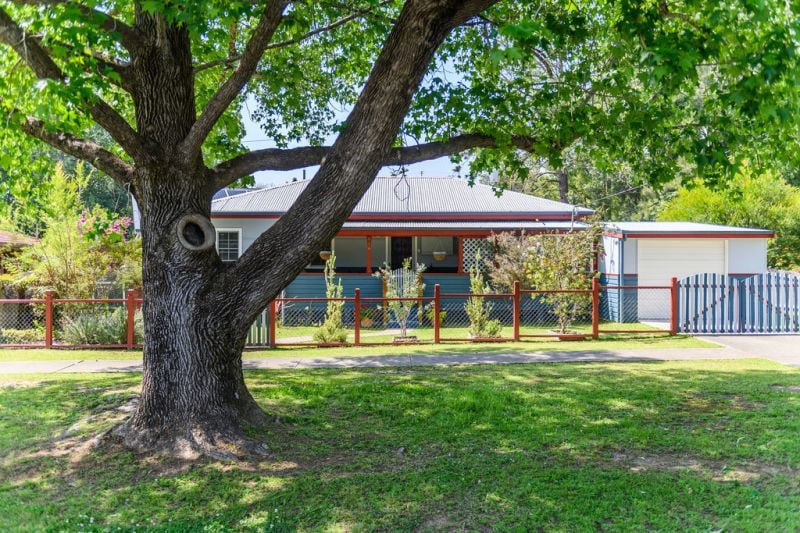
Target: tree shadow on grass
column 572, row 446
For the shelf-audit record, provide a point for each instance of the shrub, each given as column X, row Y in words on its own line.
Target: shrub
column 549, row 262
column 429, row 314
column 106, row 327
column 21, row 336
column 332, row 329
column 477, row 308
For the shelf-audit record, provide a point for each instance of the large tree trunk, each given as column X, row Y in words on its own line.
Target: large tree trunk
column 194, row 400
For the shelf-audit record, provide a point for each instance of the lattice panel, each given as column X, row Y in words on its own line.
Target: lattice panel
column 471, row 249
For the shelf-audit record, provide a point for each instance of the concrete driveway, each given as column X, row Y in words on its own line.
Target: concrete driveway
column 781, row 348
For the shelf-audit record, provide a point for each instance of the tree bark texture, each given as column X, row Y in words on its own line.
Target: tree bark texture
column 197, row 311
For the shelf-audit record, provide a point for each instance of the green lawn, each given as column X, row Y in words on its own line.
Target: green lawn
column 606, row 342
column 677, row 446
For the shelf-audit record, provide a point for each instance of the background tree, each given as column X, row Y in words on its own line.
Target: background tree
column 752, row 199
column 168, row 81
column 82, row 253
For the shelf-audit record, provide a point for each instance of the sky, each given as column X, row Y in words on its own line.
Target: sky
column 255, row 139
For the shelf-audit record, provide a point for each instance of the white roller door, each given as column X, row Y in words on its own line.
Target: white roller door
column 659, row 260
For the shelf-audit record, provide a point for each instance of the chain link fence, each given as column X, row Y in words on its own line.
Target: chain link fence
column 561, row 314
column 71, row 323
column 634, row 309
column 22, row 322
column 604, row 310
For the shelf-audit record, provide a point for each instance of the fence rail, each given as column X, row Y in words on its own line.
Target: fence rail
column 443, row 317
column 570, row 314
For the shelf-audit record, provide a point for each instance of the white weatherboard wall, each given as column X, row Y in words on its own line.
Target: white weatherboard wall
column 251, row 228
column 659, row 260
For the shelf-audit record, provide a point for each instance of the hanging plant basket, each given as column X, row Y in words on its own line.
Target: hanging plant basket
column 325, row 255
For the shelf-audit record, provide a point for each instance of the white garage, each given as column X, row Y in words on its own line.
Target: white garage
column 650, row 254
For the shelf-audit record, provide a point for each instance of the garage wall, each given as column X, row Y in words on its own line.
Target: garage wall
column 747, row 256
column 661, row 259
column 631, row 256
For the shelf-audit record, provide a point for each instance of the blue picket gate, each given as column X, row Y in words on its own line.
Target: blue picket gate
column 760, row 304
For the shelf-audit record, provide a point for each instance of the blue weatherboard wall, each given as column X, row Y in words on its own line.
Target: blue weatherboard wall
column 313, row 286
column 619, row 305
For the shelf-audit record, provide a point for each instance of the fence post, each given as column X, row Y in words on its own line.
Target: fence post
column 595, row 307
column 131, row 303
column 357, row 315
column 48, row 319
column 272, row 325
column 517, row 309
column 437, row 305
column 673, row 307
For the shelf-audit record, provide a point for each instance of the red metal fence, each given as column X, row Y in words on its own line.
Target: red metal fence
column 52, row 322
column 516, row 316
column 453, row 317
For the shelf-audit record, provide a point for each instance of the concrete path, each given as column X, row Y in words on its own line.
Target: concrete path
column 779, row 349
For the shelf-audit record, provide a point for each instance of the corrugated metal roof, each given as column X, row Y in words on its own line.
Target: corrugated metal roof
column 680, row 227
column 420, row 195
column 468, row 225
column 222, row 193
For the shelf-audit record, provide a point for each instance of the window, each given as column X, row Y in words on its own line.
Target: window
column 351, row 254
column 317, row 263
column 380, row 252
column 229, row 244
column 438, row 254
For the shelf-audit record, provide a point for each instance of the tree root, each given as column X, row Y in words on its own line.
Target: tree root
column 214, row 440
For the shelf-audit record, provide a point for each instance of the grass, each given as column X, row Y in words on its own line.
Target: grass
column 606, row 342
column 689, row 446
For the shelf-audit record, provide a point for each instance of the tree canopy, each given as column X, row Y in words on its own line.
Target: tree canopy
column 750, row 199
column 663, row 86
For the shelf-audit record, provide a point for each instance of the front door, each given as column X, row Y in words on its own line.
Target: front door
column 402, row 248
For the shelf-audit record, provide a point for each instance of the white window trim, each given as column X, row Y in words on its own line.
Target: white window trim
column 230, row 230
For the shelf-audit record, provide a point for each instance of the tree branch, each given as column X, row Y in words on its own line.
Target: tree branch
column 88, row 151
column 664, row 11
column 129, row 37
column 294, row 158
column 44, row 67
column 322, row 29
column 226, row 94
column 364, row 145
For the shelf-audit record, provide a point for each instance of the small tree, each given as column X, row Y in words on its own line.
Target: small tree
column 549, row 262
column 563, row 262
column 478, row 309
column 409, row 285
column 509, row 262
column 332, row 329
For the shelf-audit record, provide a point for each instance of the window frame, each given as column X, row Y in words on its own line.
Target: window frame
column 239, row 250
